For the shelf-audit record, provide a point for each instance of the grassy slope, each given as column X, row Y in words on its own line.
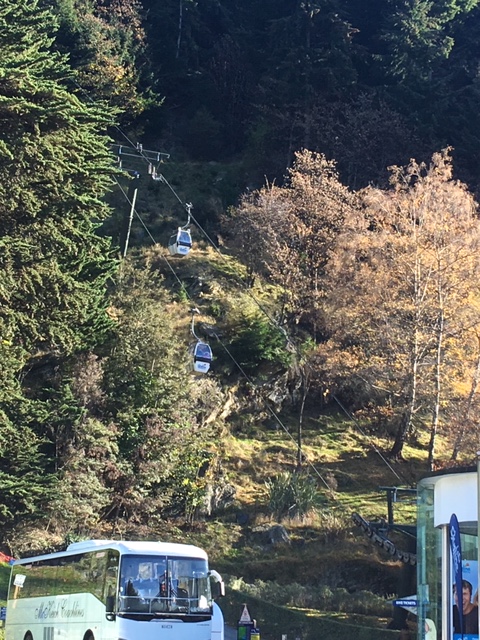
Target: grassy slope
column 348, row 462
column 325, row 548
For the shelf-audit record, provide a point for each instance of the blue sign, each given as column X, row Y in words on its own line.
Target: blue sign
column 456, row 549
column 405, row 602
column 3, row 613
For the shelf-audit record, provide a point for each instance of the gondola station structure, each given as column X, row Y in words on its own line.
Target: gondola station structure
column 448, row 554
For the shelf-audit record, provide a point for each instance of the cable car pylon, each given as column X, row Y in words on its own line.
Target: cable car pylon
column 181, row 241
column 201, row 351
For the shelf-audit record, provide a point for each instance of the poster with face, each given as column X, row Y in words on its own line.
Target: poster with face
column 468, row 602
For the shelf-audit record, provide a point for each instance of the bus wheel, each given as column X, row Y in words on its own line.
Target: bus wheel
column 28, row 636
column 89, row 636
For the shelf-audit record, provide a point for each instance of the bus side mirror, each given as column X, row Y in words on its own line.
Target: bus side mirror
column 110, row 608
column 219, row 589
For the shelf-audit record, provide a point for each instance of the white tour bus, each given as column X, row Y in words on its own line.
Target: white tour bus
column 111, row 590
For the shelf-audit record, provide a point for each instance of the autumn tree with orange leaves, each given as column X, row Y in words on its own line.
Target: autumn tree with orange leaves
column 403, row 301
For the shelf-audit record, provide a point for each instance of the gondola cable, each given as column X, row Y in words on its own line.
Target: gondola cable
column 290, row 342
column 231, row 356
column 160, row 177
column 203, row 367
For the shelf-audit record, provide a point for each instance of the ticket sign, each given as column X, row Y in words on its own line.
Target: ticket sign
column 405, row 602
column 19, row 580
column 409, row 603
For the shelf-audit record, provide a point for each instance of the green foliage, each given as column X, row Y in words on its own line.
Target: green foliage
column 292, row 495
column 107, row 48
column 148, row 397
column 88, row 463
column 183, row 294
column 417, row 39
column 257, row 340
column 188, row 482
column 26, row 482
column 277, row 620
column 5, row 570
column 321, row 597
column 147, row 364
column 54, row 170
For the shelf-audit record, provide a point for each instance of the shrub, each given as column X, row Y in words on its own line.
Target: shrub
column 292, row 495
column 256, row 341
column 321, row 597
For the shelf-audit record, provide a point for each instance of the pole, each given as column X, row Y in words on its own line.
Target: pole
column 132, row 198
column 130, row 219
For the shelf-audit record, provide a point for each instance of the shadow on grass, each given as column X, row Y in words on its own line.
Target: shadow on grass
column 274, row 621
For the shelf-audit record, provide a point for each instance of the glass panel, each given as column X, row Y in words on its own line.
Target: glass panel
column 185, row 238
column 33, row 580
column 203, row 350
column 83, row 573
column 111, row 578
column 469, row 590
column 429, row 565
column 156, row 584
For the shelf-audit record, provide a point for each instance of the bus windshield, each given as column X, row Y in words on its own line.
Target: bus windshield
column 161, row 584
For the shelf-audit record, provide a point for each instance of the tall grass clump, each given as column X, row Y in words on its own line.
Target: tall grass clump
column 292, row 495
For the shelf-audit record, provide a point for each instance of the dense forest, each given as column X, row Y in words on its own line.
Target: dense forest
column 332, row 149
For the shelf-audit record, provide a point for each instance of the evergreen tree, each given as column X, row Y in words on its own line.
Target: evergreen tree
column 26, row 481
column 55, row 168
column 106, row 43
column 150, row 404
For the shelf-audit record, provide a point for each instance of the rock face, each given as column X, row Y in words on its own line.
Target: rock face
column 265, row 536
column 278, row 535
column 217, row 498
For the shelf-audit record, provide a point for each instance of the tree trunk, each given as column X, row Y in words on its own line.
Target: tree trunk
column 466, row 415
column 438, row 386
column 300, row 419
column 405, row 424
column 180, row 27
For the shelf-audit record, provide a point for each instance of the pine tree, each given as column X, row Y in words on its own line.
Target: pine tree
column 106, row 43
column 55, row 168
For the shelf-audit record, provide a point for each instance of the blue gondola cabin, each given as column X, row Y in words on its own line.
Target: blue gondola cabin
column 202, row 357
column 180, row 243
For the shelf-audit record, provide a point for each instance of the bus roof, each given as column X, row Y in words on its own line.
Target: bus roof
column 125, row 547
